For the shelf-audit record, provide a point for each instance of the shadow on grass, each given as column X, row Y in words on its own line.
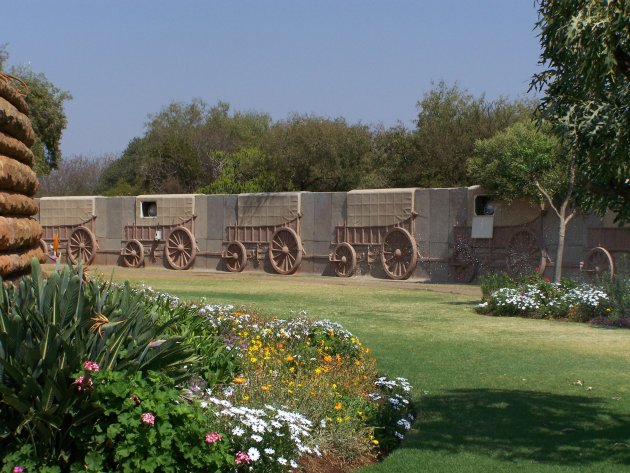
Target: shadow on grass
column 523, row 426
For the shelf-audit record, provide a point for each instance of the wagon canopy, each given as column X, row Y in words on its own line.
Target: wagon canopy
column 260, row 210
column 55, row 211
column 165, row 210
column 379, row 207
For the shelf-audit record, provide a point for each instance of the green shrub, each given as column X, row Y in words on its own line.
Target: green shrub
column 493, row 281
column 49, row 327
column 147, row 426
column 535, row 297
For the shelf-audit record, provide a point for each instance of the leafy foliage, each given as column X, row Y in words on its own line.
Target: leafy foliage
column 50, row 326
column 184, row 148
column 46, row 102
column 586, row 52
column 526, row 161
column 450, row 121
column 317, row 154
column 147, row 426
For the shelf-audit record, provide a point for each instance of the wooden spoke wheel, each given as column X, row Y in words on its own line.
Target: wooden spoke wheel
column 345, row 260
column 133, row 254
column 285, row 251
column 81, row 246
column 235, row 257
column 399, row 254
column 524, row 254
column 464, row 263
column 181, row 248
column 599, row 262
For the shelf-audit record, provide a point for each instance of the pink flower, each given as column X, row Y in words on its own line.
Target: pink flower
column 213, row 437
column 18, row 469
column 83, row 383
column 148, row 418
column 91, row 366
column 242, row 457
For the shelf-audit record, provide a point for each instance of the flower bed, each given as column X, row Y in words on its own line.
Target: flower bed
column 605, row 303
column 101, row 378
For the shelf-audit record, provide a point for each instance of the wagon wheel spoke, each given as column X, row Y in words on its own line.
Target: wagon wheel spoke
column 399, row 254
column 181, row 249
column 285, row 250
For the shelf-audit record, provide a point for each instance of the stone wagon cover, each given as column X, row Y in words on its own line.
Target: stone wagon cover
column 260, row 210
column 67, row 211
column 172, row 209
column 379, row 207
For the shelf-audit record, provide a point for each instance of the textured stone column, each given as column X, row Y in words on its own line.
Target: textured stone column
column 20, row 233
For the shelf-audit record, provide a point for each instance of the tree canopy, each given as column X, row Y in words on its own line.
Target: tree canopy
column 450, row 121
column 586, row 81
column 527, row 161
column 47, row 114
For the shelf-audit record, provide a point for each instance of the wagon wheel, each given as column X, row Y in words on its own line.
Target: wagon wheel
column 345, row 259
column 599, row 262
column 133, row 254
column 235, row 257
column 464, row 263
column 524, row 254
column 399, row 254
column 181, row 248
column 285, row 251
column 81, row 246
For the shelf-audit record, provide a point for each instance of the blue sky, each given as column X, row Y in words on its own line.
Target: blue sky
column 368, row 61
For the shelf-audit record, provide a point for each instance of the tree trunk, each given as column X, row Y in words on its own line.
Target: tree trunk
column 562, row 229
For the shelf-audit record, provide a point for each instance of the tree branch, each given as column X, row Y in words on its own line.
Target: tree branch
column 547, row 196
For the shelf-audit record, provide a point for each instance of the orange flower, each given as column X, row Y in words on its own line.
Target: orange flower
column 239, row 380
column 328, row 358
column 338, row 406
column 265, row 387
column 289, row 358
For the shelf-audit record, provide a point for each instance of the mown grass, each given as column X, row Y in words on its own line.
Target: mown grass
column 494, row 394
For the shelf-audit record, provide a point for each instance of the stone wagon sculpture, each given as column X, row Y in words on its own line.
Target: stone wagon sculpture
column 163, row 225
column 379, row 223
column 69, row 221
column 267, row 224
column 498, row 237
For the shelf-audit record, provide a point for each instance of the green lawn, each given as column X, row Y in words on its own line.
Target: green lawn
column 494, row 394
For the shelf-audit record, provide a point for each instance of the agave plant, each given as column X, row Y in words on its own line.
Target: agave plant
column 49, row 327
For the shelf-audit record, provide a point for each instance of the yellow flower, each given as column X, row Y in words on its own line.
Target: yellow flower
column 239, row 380
column 375, row 442
column 318, row 371
column 339, row 420
column 253, row 359
column 265, row 387
column 289, row 358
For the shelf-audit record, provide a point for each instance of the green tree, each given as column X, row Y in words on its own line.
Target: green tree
column 524, row 161
column 184, row 148
column 243, row 171
column 394, row 151
column 450, row 121
column 586, row 81
column 317, row 154
column 48, row 117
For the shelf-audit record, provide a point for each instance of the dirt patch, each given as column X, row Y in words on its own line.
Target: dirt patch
column 361, row 281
